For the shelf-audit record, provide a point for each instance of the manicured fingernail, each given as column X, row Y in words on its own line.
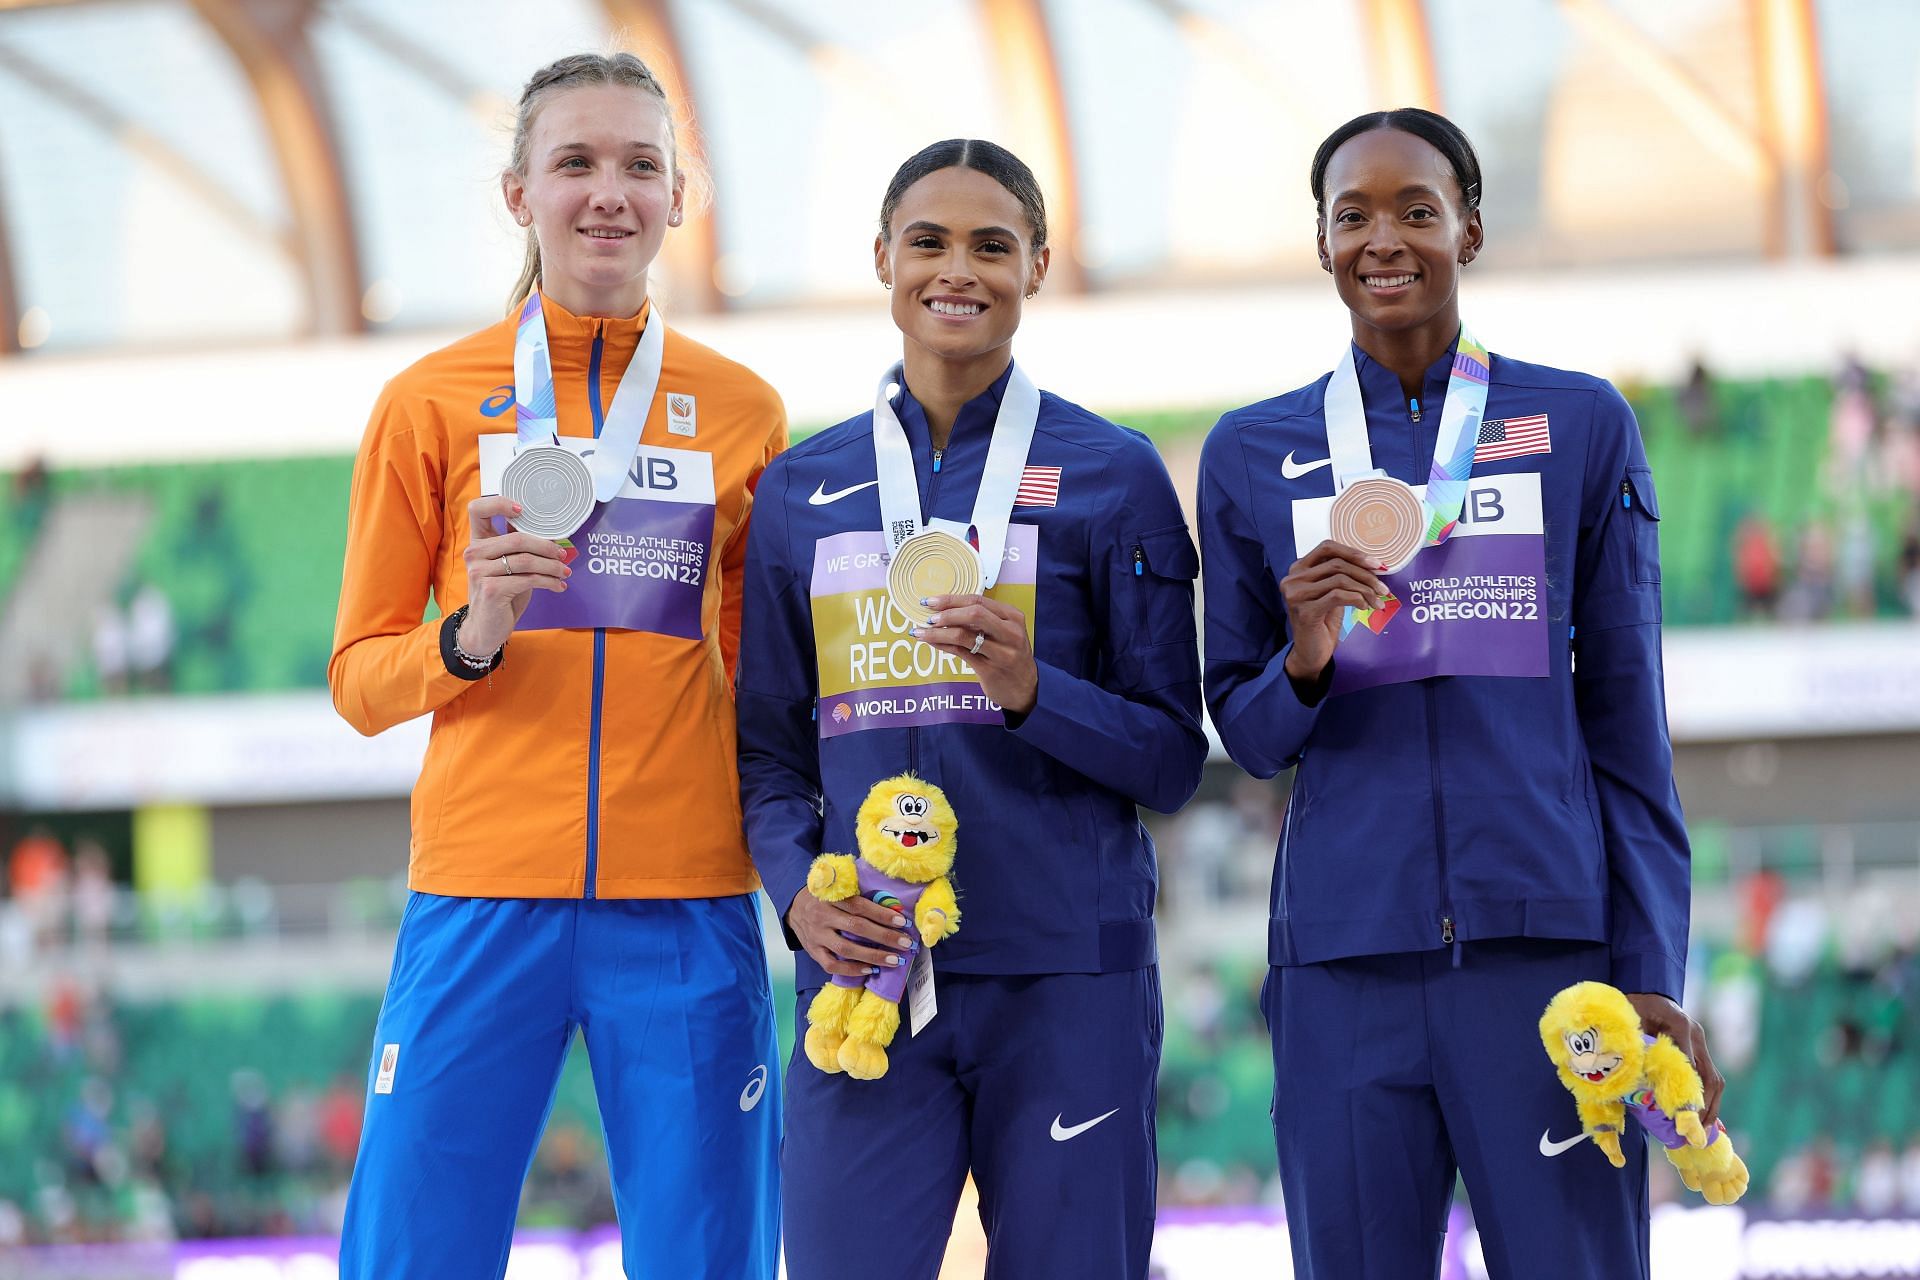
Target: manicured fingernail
column 516, row 508
column 926, row 602
column 914, row 632
column 872, row 969
column 905, row 943
column 933, row 620
column 899, row 922
column 565, row 572
column 894, row 960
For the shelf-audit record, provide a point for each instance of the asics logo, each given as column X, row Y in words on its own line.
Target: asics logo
column 1549, row 1148
column 1062, row 1133
column 499, row 401
column 820, row 497
column 1294, row 470
column 756, row 1085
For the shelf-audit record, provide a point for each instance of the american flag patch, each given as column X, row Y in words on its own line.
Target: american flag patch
column 1040, row 487
column 1512, row 437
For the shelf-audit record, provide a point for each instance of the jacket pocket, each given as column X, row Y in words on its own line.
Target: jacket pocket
column 1159, row 557
column 1643, row 506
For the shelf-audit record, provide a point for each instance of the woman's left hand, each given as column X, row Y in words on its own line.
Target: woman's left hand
column 1661, row 1016
column 1000, row 655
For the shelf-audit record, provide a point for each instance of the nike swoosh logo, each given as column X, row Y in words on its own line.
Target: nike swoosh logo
column 820, row 497
column 1549, row 1148
column 1294, row 470
column 1063, row 1134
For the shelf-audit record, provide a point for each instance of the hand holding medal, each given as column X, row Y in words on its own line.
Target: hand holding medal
column 503, row 572
column 990, row 636
column 1319, row 589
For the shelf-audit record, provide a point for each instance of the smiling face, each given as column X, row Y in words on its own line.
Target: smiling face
column 1395, row 232
column 906, row 828
column 1588, row 1059
column 960, row 260
column 600, row 190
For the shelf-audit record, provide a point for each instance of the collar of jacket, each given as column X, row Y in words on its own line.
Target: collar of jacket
column 973, row 425
column 1380, row 386
column 570, row 337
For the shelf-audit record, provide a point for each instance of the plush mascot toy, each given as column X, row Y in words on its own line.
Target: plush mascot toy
column 1593, row 1036
column 905, row 831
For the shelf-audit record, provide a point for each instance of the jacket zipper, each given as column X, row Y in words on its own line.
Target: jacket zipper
column 1433, row 752
column 913, row 733
column 1294, row 797
column 599, row 658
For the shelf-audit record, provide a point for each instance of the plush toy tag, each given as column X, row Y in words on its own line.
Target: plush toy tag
column 920, row 1002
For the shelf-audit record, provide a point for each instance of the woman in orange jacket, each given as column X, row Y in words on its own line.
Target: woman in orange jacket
column 577, row 857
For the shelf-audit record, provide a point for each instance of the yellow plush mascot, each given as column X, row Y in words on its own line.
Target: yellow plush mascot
column 1593, row 1036
column 905, row 832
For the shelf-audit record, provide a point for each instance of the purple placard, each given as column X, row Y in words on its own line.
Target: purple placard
column 903, row 706
column 641, row 565
column 1473, row 606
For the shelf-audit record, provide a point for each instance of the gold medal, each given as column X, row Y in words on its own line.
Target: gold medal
column 931, row 563
column 1383, row 518
column 554, row 488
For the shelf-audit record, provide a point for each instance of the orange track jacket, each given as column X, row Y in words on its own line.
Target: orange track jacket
column 513, row 768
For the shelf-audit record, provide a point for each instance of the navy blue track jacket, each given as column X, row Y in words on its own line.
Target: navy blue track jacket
column 1460, row 807
column 1054, row 870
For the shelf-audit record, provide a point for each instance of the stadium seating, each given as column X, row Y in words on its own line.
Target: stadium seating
column 249, row 553
column 182, row 1061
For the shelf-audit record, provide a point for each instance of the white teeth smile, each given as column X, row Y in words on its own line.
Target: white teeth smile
column 1386, row 282
column 954, row 308
column 598, row 233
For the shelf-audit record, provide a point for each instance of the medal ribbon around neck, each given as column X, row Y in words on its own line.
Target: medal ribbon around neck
column 999, row 484
column 1459, row 434
column 536, row 414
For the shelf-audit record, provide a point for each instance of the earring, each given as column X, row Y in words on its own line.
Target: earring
column 673, row 219
column 524, row 219
column 887, row 285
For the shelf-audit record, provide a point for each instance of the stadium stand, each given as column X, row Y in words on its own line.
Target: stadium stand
column 254, row 612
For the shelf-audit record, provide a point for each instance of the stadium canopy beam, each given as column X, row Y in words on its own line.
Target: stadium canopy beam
column 1400, row 54
column 10, row 308
column 484, row 103
column 269, row 39
column 1693, row 104
column 1036, row 113
column 692, row 251
column 1793, row 126
column 107, row 120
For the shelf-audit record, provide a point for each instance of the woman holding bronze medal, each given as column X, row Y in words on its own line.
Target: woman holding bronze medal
column 1433, row 587
column 987, row 586
column 571, row 484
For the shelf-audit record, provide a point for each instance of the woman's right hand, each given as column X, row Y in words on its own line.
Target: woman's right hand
column 818, row 925
column 503, row 572
column 1318, row 590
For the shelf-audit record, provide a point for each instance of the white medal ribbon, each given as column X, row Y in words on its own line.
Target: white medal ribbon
column 1346, row 415
column 999, row 483
column 536, row 413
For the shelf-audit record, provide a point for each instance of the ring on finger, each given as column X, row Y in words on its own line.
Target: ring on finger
column 979, row 639
column 507, row 560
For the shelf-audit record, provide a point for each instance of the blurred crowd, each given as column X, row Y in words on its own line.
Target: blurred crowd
column 1839, row 563
column 93, row 1149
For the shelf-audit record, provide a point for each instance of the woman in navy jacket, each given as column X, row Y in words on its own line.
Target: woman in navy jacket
column 1047, row 710
column 1483, row 808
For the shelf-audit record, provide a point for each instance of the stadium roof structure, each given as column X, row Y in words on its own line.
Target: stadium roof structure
column 213, row 173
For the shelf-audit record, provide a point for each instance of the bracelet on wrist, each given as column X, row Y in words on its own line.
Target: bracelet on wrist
column 458, row 661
